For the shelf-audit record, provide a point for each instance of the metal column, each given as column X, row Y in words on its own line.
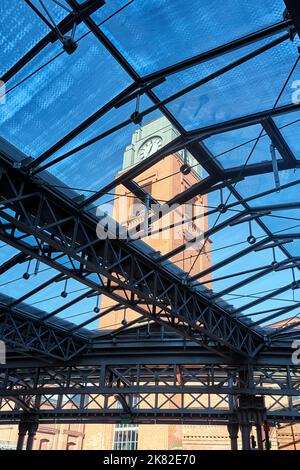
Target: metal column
column 233, row 429
column 259, row 437
column 28, row 423
column 251, row 412
column 32, row 429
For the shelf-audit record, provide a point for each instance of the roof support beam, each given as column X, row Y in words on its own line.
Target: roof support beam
column 118, row 264
column 279, row 142
column 17, row 259
column 102, row 314
column 257, row 169
column 222, row 50
column 237, row 217
column 23, row 332
column 39, row 288
column 243, row 121
column 89, row 7
column 81, row 297
column 229, row 260
column 267, row 297
column 293, row 8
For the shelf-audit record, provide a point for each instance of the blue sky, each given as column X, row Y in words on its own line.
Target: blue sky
column 151, row 35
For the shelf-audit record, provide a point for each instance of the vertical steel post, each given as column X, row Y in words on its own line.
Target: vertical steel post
column 233, row 429
column 32, row 429
column 23, row 426
column 259, row 437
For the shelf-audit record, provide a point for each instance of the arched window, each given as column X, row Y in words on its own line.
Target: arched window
column 71, row 445
column 44, row 444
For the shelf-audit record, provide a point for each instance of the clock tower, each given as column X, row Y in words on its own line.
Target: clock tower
column 162, row 182
column 149, row 138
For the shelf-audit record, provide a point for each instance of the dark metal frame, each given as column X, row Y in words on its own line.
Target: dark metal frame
column 62, row 226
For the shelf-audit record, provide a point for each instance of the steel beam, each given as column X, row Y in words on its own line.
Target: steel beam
column 268, row 296
column 221, row 50
column 24, row 332
column 294, row 13
column 64, row 26
column 278, row 141
column 9, row 264
column 140, row 277
column 164, row 390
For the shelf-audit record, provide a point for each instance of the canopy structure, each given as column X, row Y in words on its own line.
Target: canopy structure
column 78, row 79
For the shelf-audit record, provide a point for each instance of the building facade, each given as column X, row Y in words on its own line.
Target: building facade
column 162, row 182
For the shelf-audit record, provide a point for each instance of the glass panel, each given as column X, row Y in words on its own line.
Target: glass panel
column 85, row 169
column 289, row 124
column 43, row 109
column 240, row 147
column 157, row 34
column 13, row 284
column 286, row 221
column 20, row 30
column 253, row 186
column 241, row 91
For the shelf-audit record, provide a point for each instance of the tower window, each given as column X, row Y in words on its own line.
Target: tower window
column 137, row 205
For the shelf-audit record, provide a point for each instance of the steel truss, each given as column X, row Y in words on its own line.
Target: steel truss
column 221, row 360
column 29, row 334
column 166, row 389
column 132, row 277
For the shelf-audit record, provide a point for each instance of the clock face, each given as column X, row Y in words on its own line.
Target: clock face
column 149, row 147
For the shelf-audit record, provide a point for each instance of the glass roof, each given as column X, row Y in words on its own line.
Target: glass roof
column 177, row 31
column 57, row 102
column 239, row 147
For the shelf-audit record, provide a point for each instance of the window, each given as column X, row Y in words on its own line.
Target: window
column 44, row 444
column 137, row 205
column 125, row 437
column 71, row 446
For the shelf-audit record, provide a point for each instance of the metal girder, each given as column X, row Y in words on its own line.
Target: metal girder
column 89, row 7
column 23, row 332
column 140, row 378
column 278, row 141
column 168, row 300
column 17, row 259
column 259, row 169
column 294, row 13
column 221, row 50
column 161, row 390
column 243, row 121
